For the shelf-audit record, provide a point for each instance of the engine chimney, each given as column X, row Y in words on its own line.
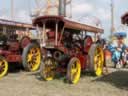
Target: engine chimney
column 62, row 8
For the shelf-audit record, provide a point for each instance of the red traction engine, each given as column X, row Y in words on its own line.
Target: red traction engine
column 67, row 49
column 12, row 51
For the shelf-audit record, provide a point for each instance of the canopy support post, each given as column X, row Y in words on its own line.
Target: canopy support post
column 38, row 33
column 62, row 32
column 56, row 35
column 27, row 32
column 44, row 27
column 95, row 37
column 4, row 30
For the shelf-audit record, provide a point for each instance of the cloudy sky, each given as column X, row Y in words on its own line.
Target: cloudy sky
column 96, row 10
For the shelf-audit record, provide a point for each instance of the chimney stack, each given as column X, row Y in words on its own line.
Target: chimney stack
column 62, row 8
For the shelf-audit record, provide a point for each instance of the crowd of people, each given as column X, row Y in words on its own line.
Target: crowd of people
column 118, row 49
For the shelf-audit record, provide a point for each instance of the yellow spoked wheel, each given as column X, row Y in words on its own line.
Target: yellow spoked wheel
column 32, row 57
column 48, row 68
column 96, row 55
column 3, row 67
column 98, row 61
column 74, row 70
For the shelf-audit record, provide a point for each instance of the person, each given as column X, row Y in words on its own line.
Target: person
column 67, row 38
column 116, row 57
column 118, row 48
column 101, row 41
column 125, row 57
column 98, row 37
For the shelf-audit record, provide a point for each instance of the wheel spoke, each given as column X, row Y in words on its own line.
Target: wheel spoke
column 73, row 71
column 1, row 63
column 29, row 57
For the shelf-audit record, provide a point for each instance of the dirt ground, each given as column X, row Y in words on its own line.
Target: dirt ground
column 29, row 84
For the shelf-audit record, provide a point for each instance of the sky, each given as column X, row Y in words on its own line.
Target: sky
column 86, row 10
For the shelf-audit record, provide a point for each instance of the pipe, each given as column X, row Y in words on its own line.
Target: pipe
column 62, row 8
column 56, row 37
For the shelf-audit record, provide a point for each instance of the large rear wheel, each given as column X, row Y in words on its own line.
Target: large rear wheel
column 3, row 67
column 31, row 57
column 74, row 70
column 96, row 55
column 47, row 69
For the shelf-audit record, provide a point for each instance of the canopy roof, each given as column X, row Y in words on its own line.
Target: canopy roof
column 124, row 18
column 15, row 24
column 67, row 23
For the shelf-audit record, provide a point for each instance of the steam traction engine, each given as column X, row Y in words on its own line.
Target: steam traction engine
column 66, row 48
column 11, row 46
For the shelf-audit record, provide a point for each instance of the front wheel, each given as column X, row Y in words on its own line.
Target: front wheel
column 3, row 67
column 31, row 57
column 74, row 70
column 47, row 69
